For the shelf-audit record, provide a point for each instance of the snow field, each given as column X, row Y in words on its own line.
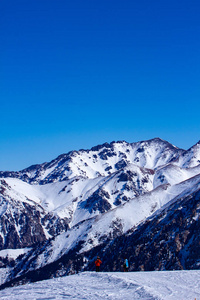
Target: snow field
column 165, row 285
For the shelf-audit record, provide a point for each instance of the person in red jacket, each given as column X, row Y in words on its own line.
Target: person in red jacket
column 98, row 262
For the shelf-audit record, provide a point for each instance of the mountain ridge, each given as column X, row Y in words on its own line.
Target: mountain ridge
column 66, row 156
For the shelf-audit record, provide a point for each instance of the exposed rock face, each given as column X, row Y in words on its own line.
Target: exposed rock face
column 98, row 201
column 23, row 224
column 27, row 226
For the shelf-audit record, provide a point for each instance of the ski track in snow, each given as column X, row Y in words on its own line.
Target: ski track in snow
column 157, row 285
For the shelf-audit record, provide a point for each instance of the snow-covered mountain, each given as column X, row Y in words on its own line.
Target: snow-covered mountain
column 85, row 199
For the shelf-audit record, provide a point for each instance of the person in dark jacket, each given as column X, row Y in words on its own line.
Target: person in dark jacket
column 98, row 262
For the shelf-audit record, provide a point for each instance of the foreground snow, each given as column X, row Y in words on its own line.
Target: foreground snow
column 89, row 285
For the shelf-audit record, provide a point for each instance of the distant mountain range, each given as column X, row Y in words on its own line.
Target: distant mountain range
column 140, row 200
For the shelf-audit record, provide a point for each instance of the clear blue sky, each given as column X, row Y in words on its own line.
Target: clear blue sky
column 74, row 74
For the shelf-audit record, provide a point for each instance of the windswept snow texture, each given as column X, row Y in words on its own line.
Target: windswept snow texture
column 112, row 286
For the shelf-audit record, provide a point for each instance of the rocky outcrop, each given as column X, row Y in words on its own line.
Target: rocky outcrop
column 23, row 224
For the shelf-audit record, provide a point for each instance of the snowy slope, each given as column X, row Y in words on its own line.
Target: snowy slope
column 13, row 253
column 138, row 285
